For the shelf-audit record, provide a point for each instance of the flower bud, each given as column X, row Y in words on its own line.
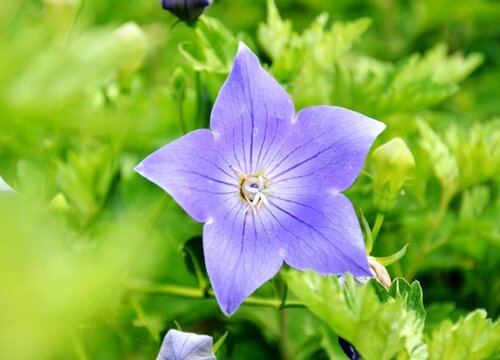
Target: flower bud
column 393, row 162
column 130, row 40
column 186, row 10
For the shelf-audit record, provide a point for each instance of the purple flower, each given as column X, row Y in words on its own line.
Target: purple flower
column 267, row 183
column 187, row 10
column 178, row 345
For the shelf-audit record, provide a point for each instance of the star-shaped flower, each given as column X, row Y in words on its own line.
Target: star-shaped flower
column 267, row 183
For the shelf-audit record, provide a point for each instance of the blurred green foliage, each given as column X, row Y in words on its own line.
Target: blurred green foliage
column 87, row 89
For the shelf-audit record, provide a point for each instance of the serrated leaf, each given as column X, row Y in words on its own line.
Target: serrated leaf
column 378, row 330
column 477, row 151
column 306, row 61
column 473, row 337
column 275, row 35
column 215, row 47
column 444, row 164
column 411, row 293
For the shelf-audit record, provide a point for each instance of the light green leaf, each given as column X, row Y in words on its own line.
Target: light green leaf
column 214, row 49
column 444, row 164
column 86, row 179
column 473, row 337
column 306, row 61
column 477, row 151
column 275, row 35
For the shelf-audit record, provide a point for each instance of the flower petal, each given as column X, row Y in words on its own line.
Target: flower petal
column 251, row 113
column 241, row 253
column 320, row 232
column 326, row 148
column 192, row 172
column 178, row 345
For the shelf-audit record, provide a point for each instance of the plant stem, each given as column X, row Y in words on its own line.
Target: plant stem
column 283, row 340
column 197, row 293
column 199, row 120
column 182, row 121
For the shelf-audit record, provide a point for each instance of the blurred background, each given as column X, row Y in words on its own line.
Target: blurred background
column 89, row 88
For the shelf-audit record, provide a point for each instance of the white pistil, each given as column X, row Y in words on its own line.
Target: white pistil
column 252, row 190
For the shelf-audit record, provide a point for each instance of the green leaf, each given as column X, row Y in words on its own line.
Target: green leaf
column 412, row 293
column 275, row 35
column 477, row 151
column 378, row 330
column 86, row 179
column 219, row 342
column 388, row 260
column 214, row 49
column 444, row 164
column 306, row 60
column 473, row 337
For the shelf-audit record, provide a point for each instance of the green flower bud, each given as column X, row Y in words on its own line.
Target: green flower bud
column 393, row 162
column 132, row 44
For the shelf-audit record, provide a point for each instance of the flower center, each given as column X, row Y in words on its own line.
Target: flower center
column 254, row 189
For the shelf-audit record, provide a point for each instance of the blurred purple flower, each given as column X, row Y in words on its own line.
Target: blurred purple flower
column 178, row 345
column 187, row 10
column 267, row 183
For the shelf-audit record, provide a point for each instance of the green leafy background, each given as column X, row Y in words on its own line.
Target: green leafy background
column 98, row 263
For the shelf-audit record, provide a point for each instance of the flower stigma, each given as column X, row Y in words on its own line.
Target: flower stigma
column 254, row 189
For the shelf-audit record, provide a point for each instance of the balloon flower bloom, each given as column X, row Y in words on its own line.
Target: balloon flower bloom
column 267, row 182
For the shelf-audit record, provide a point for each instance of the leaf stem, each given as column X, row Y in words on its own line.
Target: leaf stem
column 197, row 293
column 141, row 315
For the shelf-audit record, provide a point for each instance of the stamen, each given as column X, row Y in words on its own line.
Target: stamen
column 264, row 200
column 238, row 171
column 256, row 199
column 268, row 190
column 254, row 189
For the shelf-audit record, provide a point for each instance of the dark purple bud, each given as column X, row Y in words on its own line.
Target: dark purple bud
column 349, row 350
column 186, row 10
